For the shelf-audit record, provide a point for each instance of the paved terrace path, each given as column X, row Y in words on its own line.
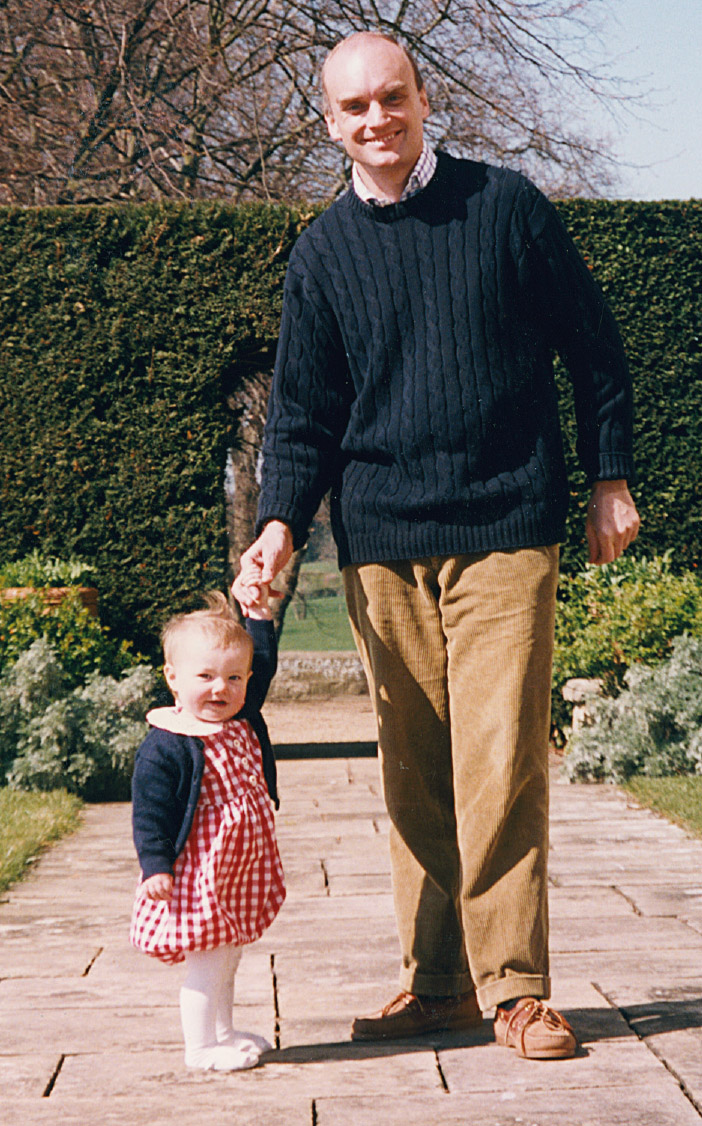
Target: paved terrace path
column 89, row 1029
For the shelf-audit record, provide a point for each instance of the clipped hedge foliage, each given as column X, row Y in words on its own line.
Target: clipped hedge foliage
column 125, row 332
column 646, row 257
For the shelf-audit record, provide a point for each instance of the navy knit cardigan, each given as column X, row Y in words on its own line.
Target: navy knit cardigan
column 414, row 373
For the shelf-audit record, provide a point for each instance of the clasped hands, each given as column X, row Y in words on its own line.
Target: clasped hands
column 260, row 564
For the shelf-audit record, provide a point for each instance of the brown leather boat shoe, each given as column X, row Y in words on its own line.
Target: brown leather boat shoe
column 535, row 1031
column 409, row 1015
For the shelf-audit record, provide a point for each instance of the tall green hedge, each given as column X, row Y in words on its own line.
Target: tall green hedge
column 122, row 333
column 648, row 259
column 125, row 332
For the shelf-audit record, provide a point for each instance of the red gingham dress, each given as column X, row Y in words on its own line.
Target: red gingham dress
column 228, row 881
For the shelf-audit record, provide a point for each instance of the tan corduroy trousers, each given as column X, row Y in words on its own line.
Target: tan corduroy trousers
column 458, row 653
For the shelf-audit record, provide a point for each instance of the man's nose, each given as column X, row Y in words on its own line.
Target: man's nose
column 377, row 115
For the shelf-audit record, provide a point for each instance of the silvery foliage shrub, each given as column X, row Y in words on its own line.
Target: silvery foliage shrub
column 80, row 739
column 654, row 727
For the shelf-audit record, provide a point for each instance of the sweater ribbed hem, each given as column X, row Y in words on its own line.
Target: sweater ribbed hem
column 421, row 542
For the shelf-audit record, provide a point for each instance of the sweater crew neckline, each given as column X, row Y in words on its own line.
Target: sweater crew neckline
column 390, row 212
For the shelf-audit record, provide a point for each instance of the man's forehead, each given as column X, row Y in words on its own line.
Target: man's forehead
column 361, row 62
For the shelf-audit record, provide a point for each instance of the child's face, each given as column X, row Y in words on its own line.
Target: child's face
column 208, row 682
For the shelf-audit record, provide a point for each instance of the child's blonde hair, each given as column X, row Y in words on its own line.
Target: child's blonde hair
column 217, row 623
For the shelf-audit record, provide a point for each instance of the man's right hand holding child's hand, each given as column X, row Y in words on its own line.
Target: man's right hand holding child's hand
column 259, row 566
column 158, row 886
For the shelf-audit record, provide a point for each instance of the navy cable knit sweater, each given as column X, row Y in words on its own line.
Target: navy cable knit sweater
column 414, row 372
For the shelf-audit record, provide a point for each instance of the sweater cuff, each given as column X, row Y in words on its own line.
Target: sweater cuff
column 287, row 514
column 260, row 630
column 615, row 467
column 154, row 865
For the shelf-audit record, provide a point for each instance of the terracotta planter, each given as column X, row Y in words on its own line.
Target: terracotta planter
column 53, row 595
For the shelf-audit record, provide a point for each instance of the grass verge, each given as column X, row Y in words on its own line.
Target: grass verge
column 28, row 823
column 679, row 798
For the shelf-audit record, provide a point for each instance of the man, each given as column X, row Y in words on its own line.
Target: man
column 414, row 377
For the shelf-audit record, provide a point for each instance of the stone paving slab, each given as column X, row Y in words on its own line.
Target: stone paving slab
column 680, row 899
column 213, row 1102
column 613, row 1106
column 587, row 903
column 89, row 1029
column 635, row 932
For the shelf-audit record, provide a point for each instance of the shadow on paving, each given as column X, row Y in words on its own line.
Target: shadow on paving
column 593, row 1025
column 326, row 750
column 664, row 1016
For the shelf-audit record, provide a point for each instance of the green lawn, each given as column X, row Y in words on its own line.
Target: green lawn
column 679, row 799
column 28, row 823
column 325, row 625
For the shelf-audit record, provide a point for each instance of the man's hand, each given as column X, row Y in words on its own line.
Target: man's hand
column 612, row 521
column 260, row 564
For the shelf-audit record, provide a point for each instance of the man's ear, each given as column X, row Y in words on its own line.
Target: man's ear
column 332, row 127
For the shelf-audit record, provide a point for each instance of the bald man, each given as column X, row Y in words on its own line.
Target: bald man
column 414, row 379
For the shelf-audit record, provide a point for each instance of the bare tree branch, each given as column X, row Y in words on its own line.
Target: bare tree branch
column 143, row 99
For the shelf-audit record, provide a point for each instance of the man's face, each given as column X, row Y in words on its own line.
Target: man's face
column 375, row 108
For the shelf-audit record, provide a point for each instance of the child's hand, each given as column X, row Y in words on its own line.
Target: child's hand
column 260, row 609
column 253, row 594
column 159, row 886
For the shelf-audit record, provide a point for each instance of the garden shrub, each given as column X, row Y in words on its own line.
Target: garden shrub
column 81, row 739
column 82, row 645
column 37, row 570
column 611, row 617
column 654, row 727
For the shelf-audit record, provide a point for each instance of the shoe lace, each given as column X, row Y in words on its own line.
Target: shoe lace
column 533, row 1011
column 404, row 998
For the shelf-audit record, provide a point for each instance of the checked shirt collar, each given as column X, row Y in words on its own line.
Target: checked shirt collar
column 419, row 178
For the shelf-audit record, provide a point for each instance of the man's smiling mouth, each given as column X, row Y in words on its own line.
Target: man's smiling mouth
column 384, row 140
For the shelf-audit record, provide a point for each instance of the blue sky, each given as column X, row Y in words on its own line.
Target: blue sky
column 659, row 42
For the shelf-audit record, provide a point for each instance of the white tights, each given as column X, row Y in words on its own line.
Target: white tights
column 206, row 1001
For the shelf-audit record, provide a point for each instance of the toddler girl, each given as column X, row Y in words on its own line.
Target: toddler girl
column 211, row 877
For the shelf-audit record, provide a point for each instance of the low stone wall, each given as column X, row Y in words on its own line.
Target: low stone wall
column 302, row 676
